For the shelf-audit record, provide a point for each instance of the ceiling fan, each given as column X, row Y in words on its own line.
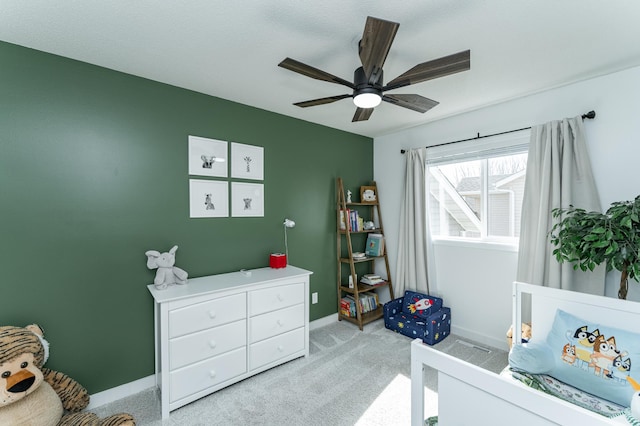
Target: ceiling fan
column 367, row 82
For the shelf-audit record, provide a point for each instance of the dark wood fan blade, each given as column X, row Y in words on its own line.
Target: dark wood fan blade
column 309, row 71
column 374, row 46
column 321, row 101
column 414, row 102
column 446, row 65
column 362, row 114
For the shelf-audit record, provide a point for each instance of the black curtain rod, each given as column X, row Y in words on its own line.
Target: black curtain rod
column 590, row 115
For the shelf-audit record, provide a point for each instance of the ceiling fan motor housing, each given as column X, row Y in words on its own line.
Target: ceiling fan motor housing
column 362, row 84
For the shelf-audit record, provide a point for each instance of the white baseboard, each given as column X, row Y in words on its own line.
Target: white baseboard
column 483, row 339
column 123, row 391
column 321, row 322
column 128, row 389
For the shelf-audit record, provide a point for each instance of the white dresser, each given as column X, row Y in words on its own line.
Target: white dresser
column 217, row 330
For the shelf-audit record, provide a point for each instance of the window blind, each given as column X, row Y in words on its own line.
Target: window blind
column 477, row 149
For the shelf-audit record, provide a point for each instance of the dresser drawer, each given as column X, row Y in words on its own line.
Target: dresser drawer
column 270, row 350
column 197, row 377
column 207, row 314
column 273, row 323
column 205, row 344
column 270, row 299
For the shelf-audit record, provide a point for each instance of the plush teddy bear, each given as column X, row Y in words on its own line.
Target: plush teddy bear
column 526, row 334
column 31, row 394
column 166, row 273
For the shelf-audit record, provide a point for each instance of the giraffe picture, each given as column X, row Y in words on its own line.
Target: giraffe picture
column 247, row 161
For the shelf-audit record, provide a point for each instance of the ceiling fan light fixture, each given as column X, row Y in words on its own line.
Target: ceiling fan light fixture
column 367, row 99
column 368, row 80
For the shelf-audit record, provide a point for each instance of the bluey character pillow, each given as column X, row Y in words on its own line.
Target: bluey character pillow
column 587, row 355
column 419, row 304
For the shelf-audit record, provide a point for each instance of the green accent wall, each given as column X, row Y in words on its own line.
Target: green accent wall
column 93, row 173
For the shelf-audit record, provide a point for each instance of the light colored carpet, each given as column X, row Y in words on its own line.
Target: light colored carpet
column 351, row 377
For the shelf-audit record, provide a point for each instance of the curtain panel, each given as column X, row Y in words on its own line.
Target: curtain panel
column 558, row 175
column 412, row 268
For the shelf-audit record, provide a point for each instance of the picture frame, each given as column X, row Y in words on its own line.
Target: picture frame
column 208, row 157
column 247, row 199
column 368, row 195
column 247, row 161
column 208, row 198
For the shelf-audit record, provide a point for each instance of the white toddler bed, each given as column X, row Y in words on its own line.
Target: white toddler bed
column 469, row 395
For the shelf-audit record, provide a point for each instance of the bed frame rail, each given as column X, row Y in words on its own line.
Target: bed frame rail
column 468, row 394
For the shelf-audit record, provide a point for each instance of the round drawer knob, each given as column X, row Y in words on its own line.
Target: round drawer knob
column 280, row 322
column 212, row 314
column 280, row 297
column 280, row 348
column 212, row 344
column 212, row 374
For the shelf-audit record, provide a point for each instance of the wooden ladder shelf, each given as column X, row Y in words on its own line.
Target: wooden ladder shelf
column 348, row 236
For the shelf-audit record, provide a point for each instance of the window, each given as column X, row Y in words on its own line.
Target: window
column 476, row 188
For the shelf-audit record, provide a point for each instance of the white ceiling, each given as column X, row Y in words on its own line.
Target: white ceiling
column 231, row 49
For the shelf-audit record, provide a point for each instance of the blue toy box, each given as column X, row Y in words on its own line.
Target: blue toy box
column 418, row 315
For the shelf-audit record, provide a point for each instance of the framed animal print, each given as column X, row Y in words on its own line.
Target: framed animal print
column 207, row 157
column 247, row 161
column 247, row 199
column 208, row 198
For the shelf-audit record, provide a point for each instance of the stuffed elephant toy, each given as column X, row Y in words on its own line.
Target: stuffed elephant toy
column 167, row 273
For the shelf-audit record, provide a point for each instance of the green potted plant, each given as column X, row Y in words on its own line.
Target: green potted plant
column 588, row 239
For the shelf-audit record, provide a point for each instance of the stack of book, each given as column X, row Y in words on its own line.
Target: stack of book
column 348, row 307
column 368, row 303
column 375, row 245
column 353, row 219
column 372, row 280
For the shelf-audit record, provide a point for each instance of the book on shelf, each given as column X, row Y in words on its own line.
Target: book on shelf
column 375, row 245
column 351, row 281
column 358, row 255
column 347, row 307
column 372, row 280
column 346, row 219
column 368, row 302
column 352, row 219
column 356, row 223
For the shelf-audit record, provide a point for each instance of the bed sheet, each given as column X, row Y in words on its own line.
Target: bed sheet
column 566, row 392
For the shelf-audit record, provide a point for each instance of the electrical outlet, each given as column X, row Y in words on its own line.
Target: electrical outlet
column 314, row 298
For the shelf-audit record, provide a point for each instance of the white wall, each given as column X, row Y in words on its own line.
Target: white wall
column 477, row 279
column 475, row 285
